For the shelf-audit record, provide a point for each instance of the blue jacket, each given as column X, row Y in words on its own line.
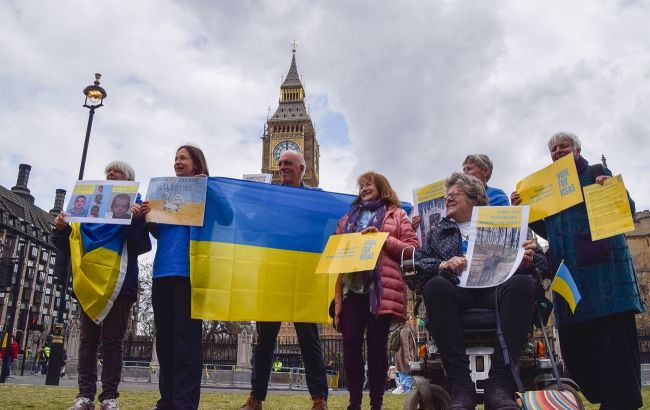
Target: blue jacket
column 496, row 197
column 173, row 251
column 602, row 270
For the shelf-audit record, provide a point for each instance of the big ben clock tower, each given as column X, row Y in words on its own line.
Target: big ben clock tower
column 290, row 128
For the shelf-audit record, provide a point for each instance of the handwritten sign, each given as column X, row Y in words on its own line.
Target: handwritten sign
column 352, row 252
column 177, row 200
column 551, row 189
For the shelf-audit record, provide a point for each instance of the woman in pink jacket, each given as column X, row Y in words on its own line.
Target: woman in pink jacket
column 372, row 300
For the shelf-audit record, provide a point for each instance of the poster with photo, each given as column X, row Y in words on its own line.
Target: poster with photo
column 107, row 202
column 495, row 250
column 177, row 200
column 429, row 204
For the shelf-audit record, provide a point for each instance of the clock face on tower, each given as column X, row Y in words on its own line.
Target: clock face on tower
column 283, row 146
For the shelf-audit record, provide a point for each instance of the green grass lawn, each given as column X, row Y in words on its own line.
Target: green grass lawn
column 49, row 397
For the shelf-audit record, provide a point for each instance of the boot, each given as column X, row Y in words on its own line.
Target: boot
column 463, row 396
column 252, row 404
column 500, row 397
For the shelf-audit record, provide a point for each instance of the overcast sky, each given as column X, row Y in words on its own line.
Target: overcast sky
column 403, row 88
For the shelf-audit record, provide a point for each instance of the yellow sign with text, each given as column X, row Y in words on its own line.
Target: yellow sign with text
column 351, row 252
column 551, row 189
column 608, row 209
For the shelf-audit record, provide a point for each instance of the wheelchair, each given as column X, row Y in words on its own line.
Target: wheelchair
column 430, row 387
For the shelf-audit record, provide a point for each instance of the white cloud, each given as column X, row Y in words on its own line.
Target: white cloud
column 418, row 84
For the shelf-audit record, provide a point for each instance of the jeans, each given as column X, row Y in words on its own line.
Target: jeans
column 111, row 333
column 405, row 380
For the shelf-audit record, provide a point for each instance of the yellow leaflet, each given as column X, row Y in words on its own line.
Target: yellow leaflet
column 608, row 209
column 352, row 252
column 551, row 189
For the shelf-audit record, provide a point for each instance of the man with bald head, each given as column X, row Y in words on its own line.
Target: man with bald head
column 480, row 166
column 292, row 169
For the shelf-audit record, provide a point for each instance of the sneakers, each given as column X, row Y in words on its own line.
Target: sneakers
column 83, row 403
column 319, row 403
column 252, row 404
column 109, row 404
column 500, row 397
column 463, row 396
column 399, row 390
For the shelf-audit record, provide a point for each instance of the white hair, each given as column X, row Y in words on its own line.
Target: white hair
column 564, row 136
column 123, row 167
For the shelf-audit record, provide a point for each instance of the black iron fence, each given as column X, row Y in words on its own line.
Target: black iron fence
column 644, row 346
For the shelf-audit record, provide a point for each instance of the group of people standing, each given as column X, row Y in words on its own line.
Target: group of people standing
column 368, row 304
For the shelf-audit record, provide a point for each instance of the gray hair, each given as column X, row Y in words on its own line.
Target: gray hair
column 123, row 167
column 470, row 184
column 301, row 159
column 482, row 161
column 564, row 136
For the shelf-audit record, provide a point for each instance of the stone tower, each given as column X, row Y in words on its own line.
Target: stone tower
column 291, row 128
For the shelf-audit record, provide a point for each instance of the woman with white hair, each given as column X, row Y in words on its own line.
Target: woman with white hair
column 438, row 265
column 599, row 341
column 110, row 329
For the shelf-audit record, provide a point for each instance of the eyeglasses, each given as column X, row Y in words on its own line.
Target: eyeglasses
column 453, row 195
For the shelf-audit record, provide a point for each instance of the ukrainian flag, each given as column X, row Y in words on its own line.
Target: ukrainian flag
column 99, row 259
column 564, row 286
column 255, row 256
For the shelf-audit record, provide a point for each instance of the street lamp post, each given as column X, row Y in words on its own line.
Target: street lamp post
column 9, row 323
column 94, row 99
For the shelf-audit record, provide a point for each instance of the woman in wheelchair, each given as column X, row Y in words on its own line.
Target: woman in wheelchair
column 438, row 265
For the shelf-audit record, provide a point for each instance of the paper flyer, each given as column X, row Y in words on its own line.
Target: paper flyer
column 107, row 202
column 551, row 189
column 177, row 200
column 495, row 245
column 351, row 252
column 608, row 208
column 264, row 178
column 429, row 204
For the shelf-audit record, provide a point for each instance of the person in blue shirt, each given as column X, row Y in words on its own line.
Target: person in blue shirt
column 178, row 336
column 480, row 166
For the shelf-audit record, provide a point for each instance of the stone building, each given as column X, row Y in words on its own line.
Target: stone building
column 291, row 128
column 25, row 233
column 639, row 243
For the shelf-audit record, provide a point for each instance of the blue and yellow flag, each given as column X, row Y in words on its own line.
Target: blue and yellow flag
column 255, row 256
column 564, row 286
column 99, row 259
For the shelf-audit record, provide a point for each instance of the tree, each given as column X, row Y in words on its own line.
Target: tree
column 144, row 307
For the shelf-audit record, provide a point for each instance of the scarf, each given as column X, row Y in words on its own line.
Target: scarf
column 378, row 208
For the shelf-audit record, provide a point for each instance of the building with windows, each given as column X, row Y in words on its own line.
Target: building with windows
column 25, row 243
column 291, row 128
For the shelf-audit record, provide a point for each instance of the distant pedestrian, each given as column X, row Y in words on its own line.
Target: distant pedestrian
column 13, row 349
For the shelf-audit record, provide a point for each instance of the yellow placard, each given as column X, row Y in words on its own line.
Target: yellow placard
column 499, row 217
column 551, row 189
column 429, row 192
column 608, row 209
column 351, row 252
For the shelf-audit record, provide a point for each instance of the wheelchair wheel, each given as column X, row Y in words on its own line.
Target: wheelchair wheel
column 437, row 399
column 570, row 389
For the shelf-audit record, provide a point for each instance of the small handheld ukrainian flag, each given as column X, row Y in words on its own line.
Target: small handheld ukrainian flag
column 564, row 286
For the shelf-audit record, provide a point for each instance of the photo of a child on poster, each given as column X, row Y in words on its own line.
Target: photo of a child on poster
column 107, row 202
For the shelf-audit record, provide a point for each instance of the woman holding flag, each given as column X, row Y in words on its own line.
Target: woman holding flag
column 178, row 336
column 105, row 279
column 370, row 301
column 598, row 336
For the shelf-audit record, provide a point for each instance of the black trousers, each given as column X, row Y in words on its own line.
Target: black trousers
column 178, row 344
column 445, row 302
column 312, row 357
column 602, row 356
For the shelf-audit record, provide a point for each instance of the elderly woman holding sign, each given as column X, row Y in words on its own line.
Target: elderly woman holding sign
column 108, row 254
column 371, row 300
column 599, row 340
column 438, row 265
